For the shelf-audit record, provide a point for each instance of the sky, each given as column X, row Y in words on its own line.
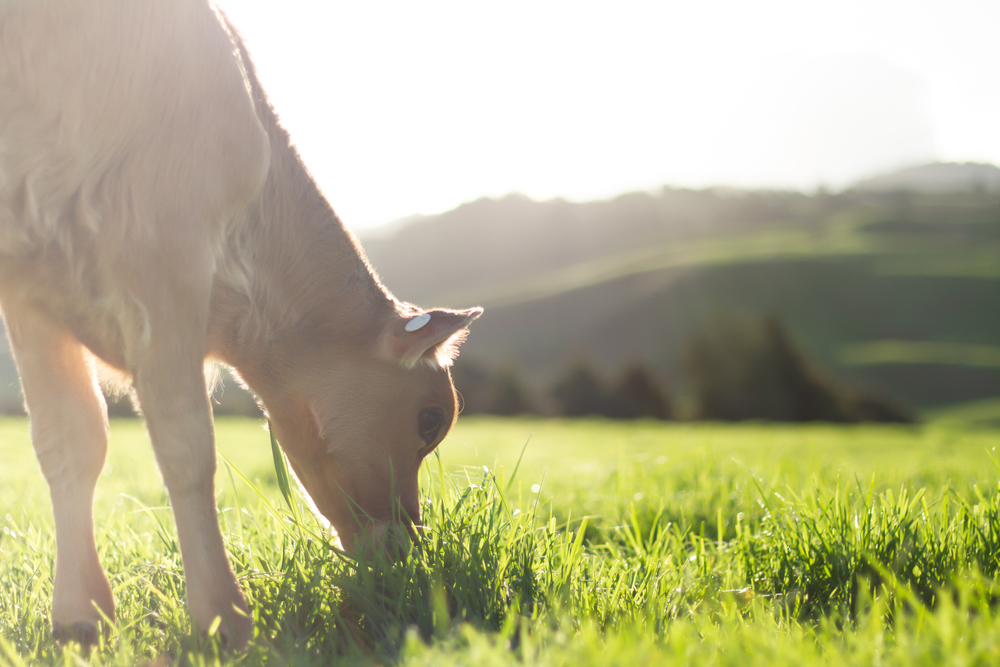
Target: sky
column 405, row 108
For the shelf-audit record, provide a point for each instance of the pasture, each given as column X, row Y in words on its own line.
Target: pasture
column 614, row 543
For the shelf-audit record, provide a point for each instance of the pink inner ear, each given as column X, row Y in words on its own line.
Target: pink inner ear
column 446, row 351
column 437, row 334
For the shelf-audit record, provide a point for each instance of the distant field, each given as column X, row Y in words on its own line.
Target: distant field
column 617, row 543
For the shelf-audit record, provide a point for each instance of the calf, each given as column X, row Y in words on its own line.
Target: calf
column 153, row 215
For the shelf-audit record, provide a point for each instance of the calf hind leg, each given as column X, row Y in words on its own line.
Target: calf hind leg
column 69, row 430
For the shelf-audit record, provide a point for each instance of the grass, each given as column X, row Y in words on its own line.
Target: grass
column 614, row 543
column 980, row 413
column 910, row 352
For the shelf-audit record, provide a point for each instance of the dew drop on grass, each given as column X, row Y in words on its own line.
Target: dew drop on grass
column 637, row 497
column 535, row 488
column 9, row 517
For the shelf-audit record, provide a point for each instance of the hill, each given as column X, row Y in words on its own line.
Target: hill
column 896, row 291
column 940, row 177
column 515, row 248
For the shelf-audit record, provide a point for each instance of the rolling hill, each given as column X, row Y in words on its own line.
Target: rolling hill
column 897, row 291
column 937, row 178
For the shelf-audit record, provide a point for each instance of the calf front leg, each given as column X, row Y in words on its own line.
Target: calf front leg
column 169, row 379
column 69, row 430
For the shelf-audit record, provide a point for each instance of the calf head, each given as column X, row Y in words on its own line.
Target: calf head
column 360, row 423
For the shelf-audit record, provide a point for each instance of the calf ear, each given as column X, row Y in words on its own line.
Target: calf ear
column 434, row 334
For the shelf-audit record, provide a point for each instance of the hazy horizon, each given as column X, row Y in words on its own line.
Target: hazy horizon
column 403, row 110
column 380, row 230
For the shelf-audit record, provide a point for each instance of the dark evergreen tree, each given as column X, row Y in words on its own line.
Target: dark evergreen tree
column 510, row 396
column 640, row 392
column 751, row 369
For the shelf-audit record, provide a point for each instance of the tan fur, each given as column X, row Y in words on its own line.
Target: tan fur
column 154, row 215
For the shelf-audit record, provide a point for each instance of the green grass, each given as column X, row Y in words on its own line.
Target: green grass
column 615, row 543
column 979, row 413
column 911, row 352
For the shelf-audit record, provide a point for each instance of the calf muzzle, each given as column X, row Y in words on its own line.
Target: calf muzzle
column 393, row 539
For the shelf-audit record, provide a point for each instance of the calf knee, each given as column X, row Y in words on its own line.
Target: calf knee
column 185, row 452
column 186, row 469
column 71, row 445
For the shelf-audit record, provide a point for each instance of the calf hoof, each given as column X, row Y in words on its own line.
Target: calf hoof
column 235, row 632
column 84, row 633
column 221, row 611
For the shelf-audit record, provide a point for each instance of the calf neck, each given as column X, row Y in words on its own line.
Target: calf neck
column 154, row 215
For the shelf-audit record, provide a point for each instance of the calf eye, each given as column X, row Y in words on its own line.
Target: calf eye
column 429, row 424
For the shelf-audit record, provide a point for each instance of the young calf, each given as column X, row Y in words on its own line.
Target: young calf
column 153, row 215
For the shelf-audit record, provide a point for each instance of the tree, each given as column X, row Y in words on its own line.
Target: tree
column 641, row 394
column 487, row 391
column 751, row 369
column 581, row 391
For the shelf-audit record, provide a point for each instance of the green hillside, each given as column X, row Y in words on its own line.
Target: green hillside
column 897, row 291
column 840, row 309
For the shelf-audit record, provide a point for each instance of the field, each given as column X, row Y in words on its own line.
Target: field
column 606, row 543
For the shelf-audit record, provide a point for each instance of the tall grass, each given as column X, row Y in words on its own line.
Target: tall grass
column 708, row 564
column 819, row 549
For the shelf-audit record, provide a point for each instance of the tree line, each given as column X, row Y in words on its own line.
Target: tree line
column 732, row 370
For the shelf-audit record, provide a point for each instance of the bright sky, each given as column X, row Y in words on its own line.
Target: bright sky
column 403, row 107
